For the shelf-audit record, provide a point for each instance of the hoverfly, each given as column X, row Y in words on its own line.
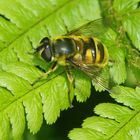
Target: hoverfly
column 78, row 49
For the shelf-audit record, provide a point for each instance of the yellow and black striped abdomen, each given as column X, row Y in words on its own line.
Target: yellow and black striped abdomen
column 94, row 52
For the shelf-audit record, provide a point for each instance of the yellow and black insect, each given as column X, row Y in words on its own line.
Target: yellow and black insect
column 83, row 52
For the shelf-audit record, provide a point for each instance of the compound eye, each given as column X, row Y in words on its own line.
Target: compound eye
column 45, row 40
column 43, row 43
column 46, row 54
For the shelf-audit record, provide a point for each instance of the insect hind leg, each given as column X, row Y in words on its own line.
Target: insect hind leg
column 70, row 82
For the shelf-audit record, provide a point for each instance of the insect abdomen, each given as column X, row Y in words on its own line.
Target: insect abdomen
column 94, row 52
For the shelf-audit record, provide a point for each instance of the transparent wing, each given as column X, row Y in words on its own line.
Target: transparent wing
column 100, row 79
column 92, row 28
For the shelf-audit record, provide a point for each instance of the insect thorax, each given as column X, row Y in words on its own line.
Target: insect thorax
column 63, row 47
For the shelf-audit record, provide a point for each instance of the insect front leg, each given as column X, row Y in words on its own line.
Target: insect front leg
column 70, row 82
column 52, row 69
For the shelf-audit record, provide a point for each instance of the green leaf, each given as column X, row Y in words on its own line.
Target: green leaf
column 14, row 83
column 129, row 14
column 55, row 98
column 22, row 26
column 17, row 119
column 4, row 126
column 128, row 96
column 118, row 70
column 131, row 24
column 117, row 57
column 114, row 121
column 125, row 6
column 23, row 70
column 133, row 67
column 82, row 86
column 33, row 108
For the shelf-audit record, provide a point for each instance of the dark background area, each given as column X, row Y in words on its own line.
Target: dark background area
column 69, row 119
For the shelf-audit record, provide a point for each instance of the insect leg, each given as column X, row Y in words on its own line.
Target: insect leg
column 52, row 69
column 70, row 81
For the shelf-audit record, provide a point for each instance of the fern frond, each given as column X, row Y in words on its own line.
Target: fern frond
column 22, row 25
column 114, row 121
column 130, row 15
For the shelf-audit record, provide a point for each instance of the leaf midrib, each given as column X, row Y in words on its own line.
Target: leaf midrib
column 133, row 116
column 28, row 92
